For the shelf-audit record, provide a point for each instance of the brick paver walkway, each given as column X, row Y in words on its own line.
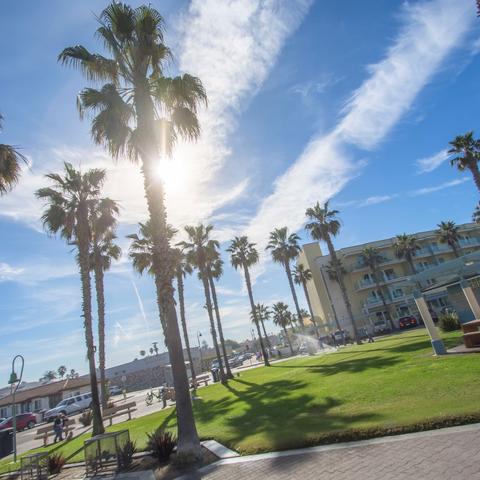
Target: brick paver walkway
column 441, row 455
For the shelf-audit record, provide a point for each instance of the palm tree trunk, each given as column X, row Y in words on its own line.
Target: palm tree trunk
column 100, row 292
column 188, row 445
column 455, row 249
column 213, row 330
column 288, row 340
column 265, row 334
column 307, row 297
column 181, row 301
column 343, row 289
column 382, row 297
column 294, row 294
column 219, row 326
column 254, row 313
column 476, row 175
column 83, row 237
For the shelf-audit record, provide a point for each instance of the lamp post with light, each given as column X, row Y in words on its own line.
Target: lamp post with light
column 200, row 350
column 14, row 383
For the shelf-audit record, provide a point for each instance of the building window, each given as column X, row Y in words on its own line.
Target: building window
column 397, row 293
column 3, row 412
column 441, row 260
column 389, row 274
column 37, row 405
column 430, row 281
column 403, row 311
column 423, row 265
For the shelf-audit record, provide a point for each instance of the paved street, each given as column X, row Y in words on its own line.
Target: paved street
column 446, row 454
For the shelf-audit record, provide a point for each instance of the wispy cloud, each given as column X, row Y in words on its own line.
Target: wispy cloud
column 430, row 31
column 428, row 164
column 7, row 272
column 436, row 188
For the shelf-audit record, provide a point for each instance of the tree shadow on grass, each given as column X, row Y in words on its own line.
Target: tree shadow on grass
column 284, row 418
column 350, row 365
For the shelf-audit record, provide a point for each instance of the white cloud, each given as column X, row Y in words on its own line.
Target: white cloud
column 428, row 164
column 436, row 188
column 431, row 30
column 7, row 272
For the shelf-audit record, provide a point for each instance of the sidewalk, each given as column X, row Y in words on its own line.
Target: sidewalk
column 450, row 453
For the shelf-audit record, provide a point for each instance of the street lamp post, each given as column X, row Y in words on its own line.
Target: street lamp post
column 200, row 350
column 14, row 382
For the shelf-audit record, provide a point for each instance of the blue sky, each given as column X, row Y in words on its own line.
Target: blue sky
column 308, row 101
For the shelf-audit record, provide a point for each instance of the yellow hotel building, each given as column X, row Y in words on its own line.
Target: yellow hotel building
column 327, row 303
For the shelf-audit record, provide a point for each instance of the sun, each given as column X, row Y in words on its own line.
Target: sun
column 171, row 172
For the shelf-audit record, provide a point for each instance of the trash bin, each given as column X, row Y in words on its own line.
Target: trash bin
column 6, row 442
column 215, row 374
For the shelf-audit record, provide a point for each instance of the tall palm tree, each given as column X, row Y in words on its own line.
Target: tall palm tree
column 283, row 318
column 262, row 313
column 10, row 160
column 197, row 251
column 476, row 214
column 140, row 113
column 324, row 225
column 215, row 271
column 301, row 276
column 183, row 268
column 244, row 255
column 141, row 253
column 405, row 248
column 61, row 370
column 68, row 202
column 284, row 248
column 467, row 150
column 371, row 258
column 104, row 249
column 448, row 233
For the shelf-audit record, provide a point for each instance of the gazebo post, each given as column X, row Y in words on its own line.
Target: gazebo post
column 471, row 298
column 437, row 342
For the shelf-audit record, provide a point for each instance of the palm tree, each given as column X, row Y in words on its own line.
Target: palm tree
column 10, row 159
column 476, row 214
column 104, row 250
column 244, row 255
column 262, row 313
column 215, row 271
column 61, row 370
column 49, row 375
column 448, row 233
column 68, row 202
column 285, row 248
column 405, row 248
column 140, row 113
column 283, row 318
column 73, row 374
column 196, row 249
column 183, row 268
column 467, row 150
column 323, row 226
column 301, row 276
column 372, row 258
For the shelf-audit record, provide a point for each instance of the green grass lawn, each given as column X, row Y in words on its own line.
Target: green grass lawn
column 393, row 382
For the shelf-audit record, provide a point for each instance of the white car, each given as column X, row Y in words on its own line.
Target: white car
column 69, row 406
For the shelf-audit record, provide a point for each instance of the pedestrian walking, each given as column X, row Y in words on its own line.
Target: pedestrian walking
column 58, row 427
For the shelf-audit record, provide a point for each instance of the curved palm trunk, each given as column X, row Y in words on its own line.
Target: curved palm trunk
column 181, row 301
column 454, row 247
column 343, row 289
column 188, row 447
column 219, row 326
column 100, row 292
column 476, row 175
column 294, row 294
column 288, row 340
column 83, row 260
column 213, row 330
column 265, row 334
column 310, row 310
column 254, row 313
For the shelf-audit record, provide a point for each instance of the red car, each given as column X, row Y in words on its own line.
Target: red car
column 407, row 322
column 24, row 420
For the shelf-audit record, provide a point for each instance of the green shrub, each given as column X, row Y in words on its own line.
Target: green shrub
column 86, row 418
column 125, row 455
column 56, row 461
column 449, row 322
column 161, row 444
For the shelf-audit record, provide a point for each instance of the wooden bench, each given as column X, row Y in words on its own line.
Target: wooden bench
column 471, row 334
column 202, row 379
column 47, row 431
column 118, row 410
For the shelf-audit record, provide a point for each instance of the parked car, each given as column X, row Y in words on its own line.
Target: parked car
column 407, row 322
column 24, row 420
column 339, row 336
column 380, row 326
column 70, row 406
column 115, row 390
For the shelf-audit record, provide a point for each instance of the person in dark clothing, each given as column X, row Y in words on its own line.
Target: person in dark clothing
column 58, row 426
